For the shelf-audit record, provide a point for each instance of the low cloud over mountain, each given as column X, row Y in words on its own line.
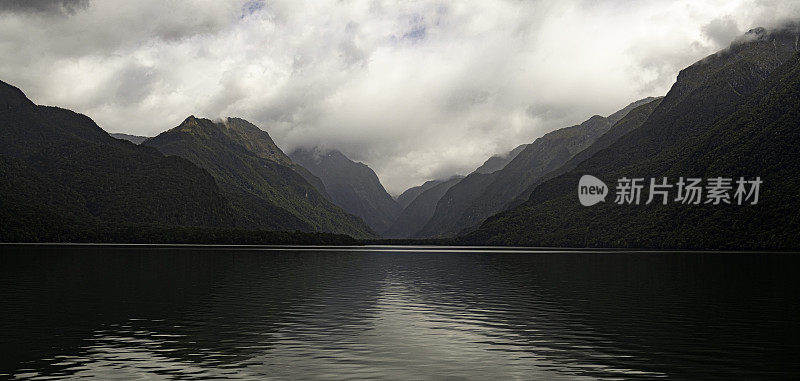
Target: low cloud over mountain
column 416, row 90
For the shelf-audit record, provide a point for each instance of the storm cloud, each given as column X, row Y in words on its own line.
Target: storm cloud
column 417, row 90
column 43, row 6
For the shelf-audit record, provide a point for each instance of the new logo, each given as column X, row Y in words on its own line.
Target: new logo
column 591, row 190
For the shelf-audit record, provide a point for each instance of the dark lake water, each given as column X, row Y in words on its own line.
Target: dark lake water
column 184, row 313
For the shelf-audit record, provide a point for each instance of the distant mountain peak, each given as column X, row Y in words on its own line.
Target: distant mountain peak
column 318, row 154
column 419, row 207
column 761, row 33
column 191, row 122
column 786, row 34
column 352, row 185
column 267, row 189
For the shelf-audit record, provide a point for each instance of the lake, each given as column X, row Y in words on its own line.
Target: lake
column 134, row 312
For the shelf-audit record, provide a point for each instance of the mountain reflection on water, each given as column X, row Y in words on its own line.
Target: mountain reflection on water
column 206, row 312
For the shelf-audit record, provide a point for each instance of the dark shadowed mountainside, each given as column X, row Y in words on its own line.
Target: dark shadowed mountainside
column 265, row 188
column 352, row 186
column 453, row 203
column 419, row 211
column 61, row 173
column 459, row 196
column 131, row 138
column 497, row 162
column 260, row 143
column 480, row 195
column 631, row 121
column 735, row 113
column 410, row 194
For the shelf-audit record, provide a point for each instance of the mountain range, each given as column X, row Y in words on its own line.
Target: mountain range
column 62, row 174
column 420, row 210
column 266, row 189
column 410, row 194
column 484, row 193
column 65, row 178
column 734, row 113
column 352, row 186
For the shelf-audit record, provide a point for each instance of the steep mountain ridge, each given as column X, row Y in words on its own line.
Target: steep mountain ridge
column 353, row 186
column 498, row 162
column 62, row 174
column 410, row 194
column 419, row 211
column 628, row 123
column 732, row 114
column 480, row 195
column 261, row 182
column 260, row 143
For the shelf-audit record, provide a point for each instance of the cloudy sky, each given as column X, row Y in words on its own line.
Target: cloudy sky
column 415, row 89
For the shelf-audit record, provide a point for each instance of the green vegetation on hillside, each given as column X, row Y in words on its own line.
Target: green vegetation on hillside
column 481, row 194
column 64, row 179
column 58, row 169
column 262, row 184
column 736, row 113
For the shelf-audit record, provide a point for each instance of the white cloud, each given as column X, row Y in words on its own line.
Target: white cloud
column 417, row 90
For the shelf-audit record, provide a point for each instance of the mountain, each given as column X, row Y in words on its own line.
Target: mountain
column 131, row 138
column 352, row 186
column 497, row 162
column 453, row 203
column 260, row 143
column 419, row 211
column 265, row 188
column 628, row 123
column 459, row 196
column 735, row 113
column 410, row 194
column 61, row 174
column 480, row 195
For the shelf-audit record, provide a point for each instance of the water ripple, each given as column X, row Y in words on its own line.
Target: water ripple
column 171, row 313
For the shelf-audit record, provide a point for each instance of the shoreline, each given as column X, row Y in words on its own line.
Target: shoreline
column 395, row 248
